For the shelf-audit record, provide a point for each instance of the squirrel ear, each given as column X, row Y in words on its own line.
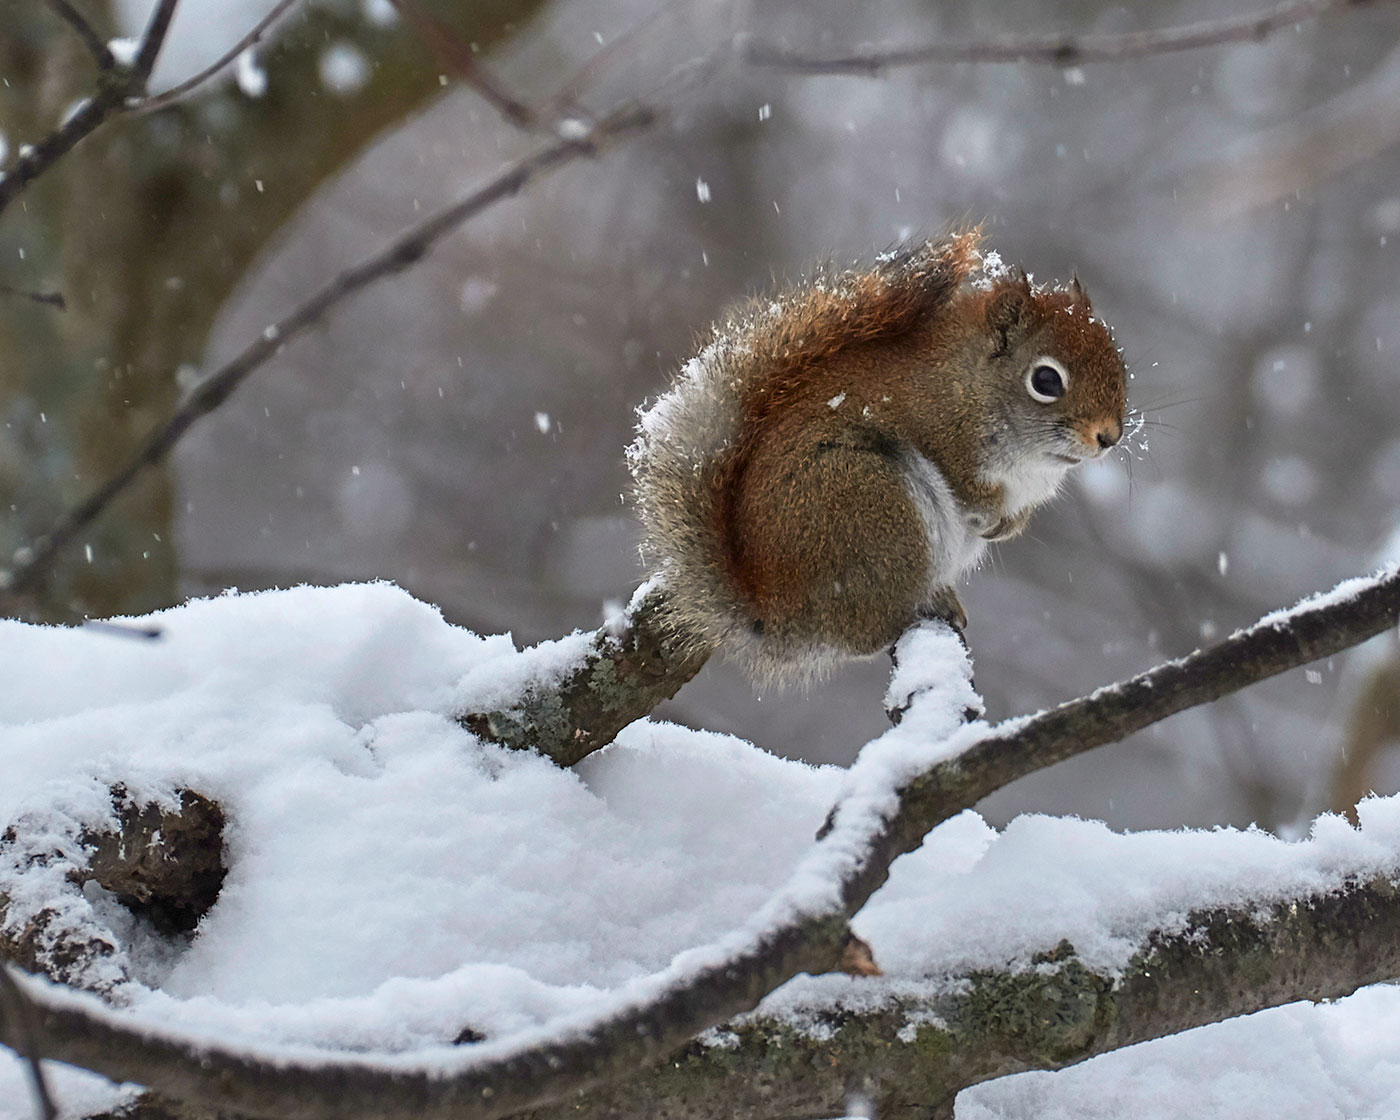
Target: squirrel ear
column 1078, row 296
column 1008, row 311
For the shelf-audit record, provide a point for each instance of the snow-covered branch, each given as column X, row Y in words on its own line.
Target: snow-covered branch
column 1318, row 627
column 920, row 773
column 913, row 1054
column 162, row 858
column 571, row 698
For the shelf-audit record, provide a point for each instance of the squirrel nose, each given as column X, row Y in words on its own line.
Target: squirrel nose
column 1107, row 436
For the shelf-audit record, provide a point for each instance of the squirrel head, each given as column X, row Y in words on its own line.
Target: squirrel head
column 1052, row 380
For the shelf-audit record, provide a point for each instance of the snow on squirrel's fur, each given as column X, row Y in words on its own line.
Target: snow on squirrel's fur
column 389, row 885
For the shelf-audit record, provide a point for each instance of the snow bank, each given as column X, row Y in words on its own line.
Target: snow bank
column 393, row 880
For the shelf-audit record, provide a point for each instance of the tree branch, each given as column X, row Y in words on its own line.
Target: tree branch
column 34, row 160
column 162, row 861
column 796, row 932
column 151, row 103
column 17, row 1025
column 153, row 40
column 91, row 40
column 1317, row 628
column 1059, row 49
column 629, row 667
column 458, row 57
column 34, row 560
column 52, row 299
column 115, row 85
column 911, row 1056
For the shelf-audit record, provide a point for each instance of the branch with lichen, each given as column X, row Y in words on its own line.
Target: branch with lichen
column 912, row 1055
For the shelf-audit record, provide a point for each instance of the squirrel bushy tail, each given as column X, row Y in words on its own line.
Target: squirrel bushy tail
column 692, row 441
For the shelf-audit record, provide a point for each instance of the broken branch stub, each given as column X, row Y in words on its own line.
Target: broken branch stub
column 631, row 665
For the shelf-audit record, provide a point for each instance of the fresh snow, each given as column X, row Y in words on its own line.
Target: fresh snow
column 393, row 880
column 250, row 75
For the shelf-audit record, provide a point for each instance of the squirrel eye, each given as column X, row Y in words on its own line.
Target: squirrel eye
column 1046, row 380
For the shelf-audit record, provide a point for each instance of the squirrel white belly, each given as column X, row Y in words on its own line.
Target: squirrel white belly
column 838, row 456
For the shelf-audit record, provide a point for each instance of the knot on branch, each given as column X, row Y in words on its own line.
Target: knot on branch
column 1047, row 1015
column 162, row 860
column 164, row 864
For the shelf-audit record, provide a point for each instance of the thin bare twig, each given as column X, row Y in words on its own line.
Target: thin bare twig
column 505, row 1082
column 457, row 56
column 32, row 561
column 1058, row 49
column 34, row 160
column 84, row 30
column 576, row 136
column 168, row 97
column 153, row 40
column 148, row 633
column 52, row 299
column 16, row 1008
column 597, row 64
column 115, row 86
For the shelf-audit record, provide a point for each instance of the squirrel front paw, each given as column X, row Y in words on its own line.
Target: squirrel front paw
column 943, row 605
column 1007, row 527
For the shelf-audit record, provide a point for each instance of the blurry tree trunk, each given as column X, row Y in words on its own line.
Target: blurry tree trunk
column 145, row 228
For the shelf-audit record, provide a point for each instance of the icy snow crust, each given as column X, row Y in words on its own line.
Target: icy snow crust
column 393, row 880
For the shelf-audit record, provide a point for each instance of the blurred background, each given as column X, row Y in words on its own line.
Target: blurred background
column 1234, row 212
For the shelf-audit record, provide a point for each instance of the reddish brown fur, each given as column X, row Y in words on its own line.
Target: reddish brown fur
column 819, row 333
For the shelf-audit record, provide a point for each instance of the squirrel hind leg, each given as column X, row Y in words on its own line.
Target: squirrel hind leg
column 836, row 552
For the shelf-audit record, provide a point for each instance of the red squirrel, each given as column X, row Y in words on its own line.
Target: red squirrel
column 838, row 455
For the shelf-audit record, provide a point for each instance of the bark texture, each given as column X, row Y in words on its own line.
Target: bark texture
column 628, row 670
column 162, row 860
